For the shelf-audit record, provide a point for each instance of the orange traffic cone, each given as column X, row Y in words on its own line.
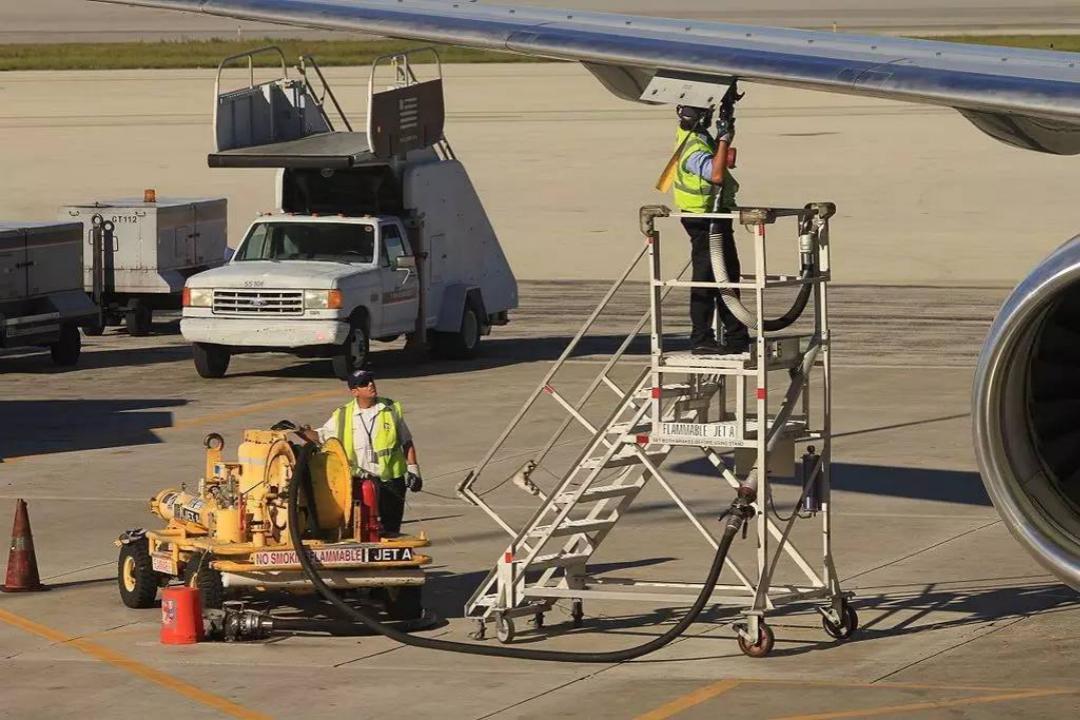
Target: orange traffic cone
column 22, row 572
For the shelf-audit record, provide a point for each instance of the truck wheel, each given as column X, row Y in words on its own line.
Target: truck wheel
column 211, row 361
column 65, row 351
column 464, row 343
column 139, row 319
column 135, row 575
column 354, row 352
column 199, row 574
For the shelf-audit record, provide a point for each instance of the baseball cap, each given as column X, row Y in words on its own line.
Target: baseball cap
column 360, row 378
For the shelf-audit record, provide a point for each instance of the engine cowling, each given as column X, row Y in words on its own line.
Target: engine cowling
column 1026, row 412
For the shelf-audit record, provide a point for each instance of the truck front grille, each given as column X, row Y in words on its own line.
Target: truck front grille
column 259, row 302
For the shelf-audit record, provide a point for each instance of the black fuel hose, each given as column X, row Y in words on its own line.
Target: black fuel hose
column 731, row 528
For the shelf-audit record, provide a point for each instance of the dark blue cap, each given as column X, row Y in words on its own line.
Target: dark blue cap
column 359, row 378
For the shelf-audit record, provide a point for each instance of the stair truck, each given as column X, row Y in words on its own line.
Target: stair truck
column 376, row 235
column 42, row 302
column 151, row 245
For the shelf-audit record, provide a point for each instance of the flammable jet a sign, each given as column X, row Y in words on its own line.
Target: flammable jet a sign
column 337, row 555
column 406, row 118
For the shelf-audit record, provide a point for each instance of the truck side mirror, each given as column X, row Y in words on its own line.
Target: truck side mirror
column 405, row 262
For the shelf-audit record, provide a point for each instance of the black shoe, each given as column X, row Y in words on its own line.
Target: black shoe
column 735, row 345
column 707, row 347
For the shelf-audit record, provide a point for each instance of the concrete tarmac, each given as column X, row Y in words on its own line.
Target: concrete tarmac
column 82, row 20
column 958, row 621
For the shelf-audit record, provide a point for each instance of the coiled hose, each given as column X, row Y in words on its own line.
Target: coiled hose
column 730, row 296
column 735, row 519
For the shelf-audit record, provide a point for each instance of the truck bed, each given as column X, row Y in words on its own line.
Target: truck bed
column 334, row 150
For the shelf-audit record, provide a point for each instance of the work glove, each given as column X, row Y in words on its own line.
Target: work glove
column 413, row 481
column 725, row 127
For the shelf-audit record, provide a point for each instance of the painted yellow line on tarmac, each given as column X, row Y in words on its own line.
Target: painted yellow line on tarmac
column 257, row 407
column 104, row 654
column 931, row 705
column 689, row 700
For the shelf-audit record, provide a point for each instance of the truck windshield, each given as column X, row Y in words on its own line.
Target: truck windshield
column 339, row 242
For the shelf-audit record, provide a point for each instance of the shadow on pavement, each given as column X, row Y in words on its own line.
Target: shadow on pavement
column 952, row 486
column 36, row 427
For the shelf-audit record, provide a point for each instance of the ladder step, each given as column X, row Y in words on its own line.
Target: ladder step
column 626, row 428
column 620, row 460
column 601, row 493
column 559, row 559
column 573, row 527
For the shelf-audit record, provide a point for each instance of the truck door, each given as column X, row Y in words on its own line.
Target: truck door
column 12, row 264
column 401, row 291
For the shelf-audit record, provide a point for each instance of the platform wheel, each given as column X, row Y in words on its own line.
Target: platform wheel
column 849, row 623
column 504, row 629
column 135, row 575
column 762, row 647
column 577, row 613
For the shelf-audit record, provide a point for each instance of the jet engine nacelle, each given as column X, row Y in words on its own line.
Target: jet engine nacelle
column 1026, row 412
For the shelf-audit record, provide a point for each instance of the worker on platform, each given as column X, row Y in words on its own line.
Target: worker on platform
column 701, row 177
column 378, row 444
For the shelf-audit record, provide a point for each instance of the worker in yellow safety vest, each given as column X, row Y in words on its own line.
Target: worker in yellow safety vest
column 702, row 173
column 378, row 443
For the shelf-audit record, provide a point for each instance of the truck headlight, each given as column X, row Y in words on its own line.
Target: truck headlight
column 322, row 299
column 197, row 297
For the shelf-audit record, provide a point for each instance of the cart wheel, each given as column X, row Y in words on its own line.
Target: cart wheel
column 404, row 603
column 353, row 354
column 94, row 329
column 199, row 574
column 481, row 630
column 577, row 613
column 139, row 319
column 762, row 647
column 211, row 361
column 65, row 351
column 538, row 620
column 504, row 629
column 849, row 623
column 135, row 575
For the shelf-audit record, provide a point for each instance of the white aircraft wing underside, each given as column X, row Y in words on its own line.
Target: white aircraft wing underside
column 1028, row 98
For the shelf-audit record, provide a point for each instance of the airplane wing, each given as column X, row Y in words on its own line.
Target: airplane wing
column 1027, row 98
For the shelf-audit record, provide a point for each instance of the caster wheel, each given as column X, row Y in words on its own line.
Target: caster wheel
column 481, row 631
column 762, row 647
column 577, row 614
column 538, row 620
column 849, row 623
column 504, row 630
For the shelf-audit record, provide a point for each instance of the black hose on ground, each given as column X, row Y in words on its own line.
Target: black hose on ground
column 735, row 519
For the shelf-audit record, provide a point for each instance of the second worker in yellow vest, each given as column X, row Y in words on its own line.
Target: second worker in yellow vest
column 702, row 173
column 378, row 443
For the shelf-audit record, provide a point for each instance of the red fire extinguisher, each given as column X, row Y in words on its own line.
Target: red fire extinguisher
column 366, row 525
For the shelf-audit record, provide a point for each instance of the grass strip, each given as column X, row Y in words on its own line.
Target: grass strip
column 208, row 53
column 355, row 52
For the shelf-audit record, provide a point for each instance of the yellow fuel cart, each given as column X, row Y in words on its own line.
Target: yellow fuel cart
column 233, row 533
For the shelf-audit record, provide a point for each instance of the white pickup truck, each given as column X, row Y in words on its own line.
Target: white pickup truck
column 377, row 234
column 326, row 286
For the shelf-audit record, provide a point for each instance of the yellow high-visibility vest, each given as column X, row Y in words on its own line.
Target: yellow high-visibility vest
column 692, row 192
column 384, row 438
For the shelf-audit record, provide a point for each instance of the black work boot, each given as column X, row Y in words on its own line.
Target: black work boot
column 708, row 346
column 735, row 343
